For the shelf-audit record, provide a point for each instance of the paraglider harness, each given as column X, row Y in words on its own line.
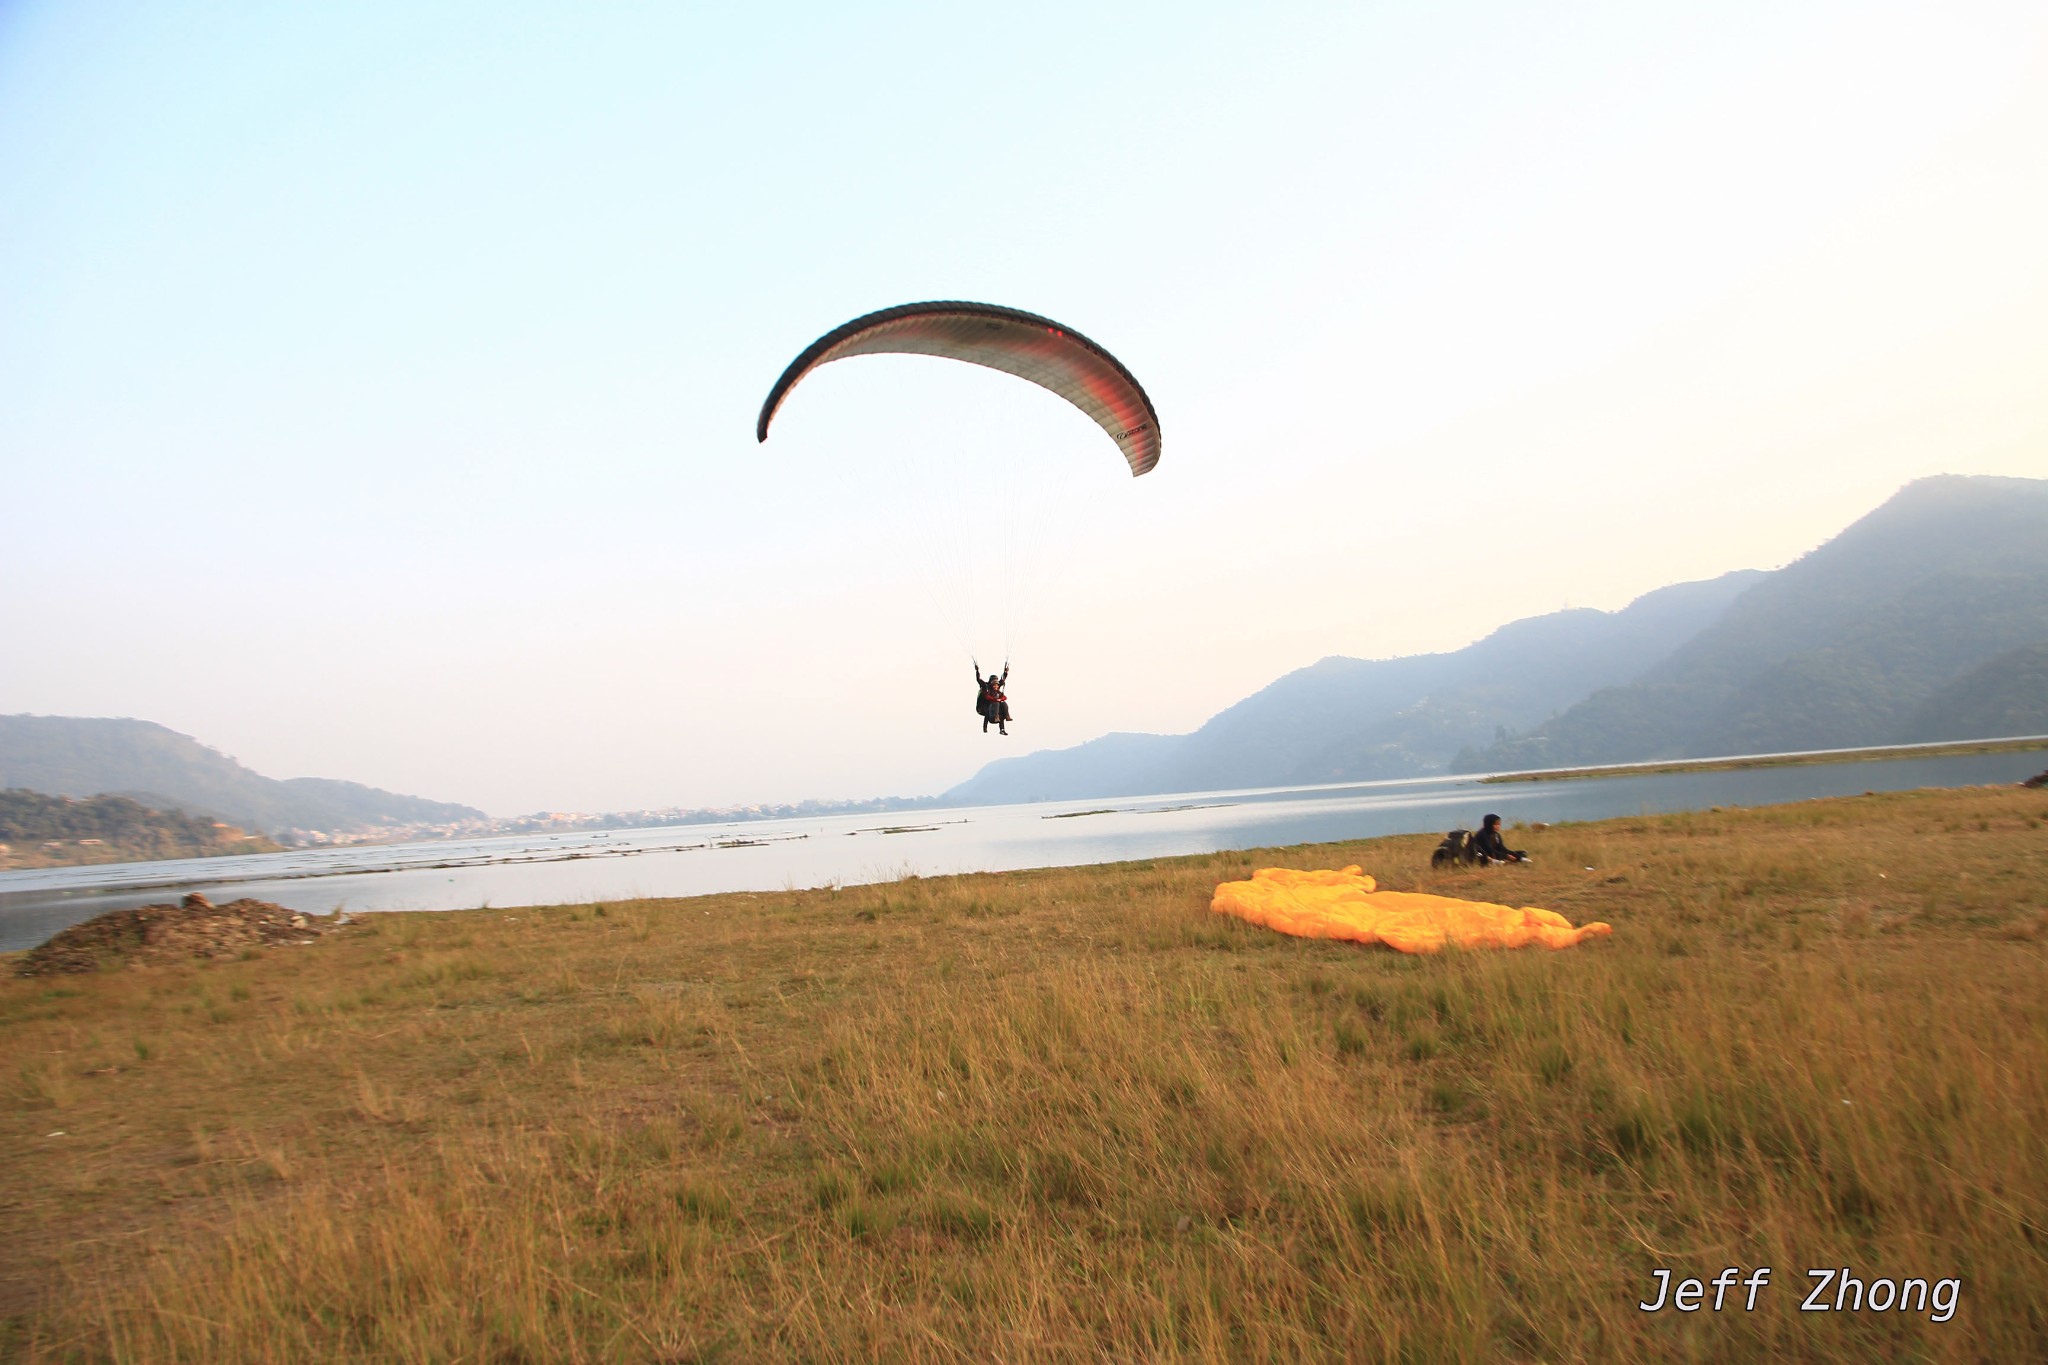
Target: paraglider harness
column 1460, row 848
column 1456, row 850
column 989, row 702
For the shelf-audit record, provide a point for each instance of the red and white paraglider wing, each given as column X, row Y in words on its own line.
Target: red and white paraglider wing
column 1007, row 339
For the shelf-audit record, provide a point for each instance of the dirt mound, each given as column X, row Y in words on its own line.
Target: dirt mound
column 2040, row 780
column 195, row 927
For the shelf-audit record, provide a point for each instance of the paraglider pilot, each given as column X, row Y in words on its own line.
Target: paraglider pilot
column 1488, row 844
column 989, row 701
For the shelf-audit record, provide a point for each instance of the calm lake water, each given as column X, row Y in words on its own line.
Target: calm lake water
column 773, row 855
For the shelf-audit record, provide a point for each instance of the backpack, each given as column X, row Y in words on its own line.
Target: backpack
column 1456, row 848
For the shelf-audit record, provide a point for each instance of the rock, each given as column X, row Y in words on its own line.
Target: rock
column 194, row 928
column 2038, row 780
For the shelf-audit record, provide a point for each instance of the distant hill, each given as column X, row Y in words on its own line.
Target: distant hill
column 1854, row 644
column 63, row 831
column 162, row 769
column 1358, row 719
column 1926, row 619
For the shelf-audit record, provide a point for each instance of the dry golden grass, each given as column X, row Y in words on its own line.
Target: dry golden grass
column 1071, row 1115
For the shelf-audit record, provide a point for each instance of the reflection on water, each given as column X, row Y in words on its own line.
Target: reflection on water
column 772, row 855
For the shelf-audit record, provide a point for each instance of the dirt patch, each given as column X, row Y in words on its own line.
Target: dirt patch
column 193, row 928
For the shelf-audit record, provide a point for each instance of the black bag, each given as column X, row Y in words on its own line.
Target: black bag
column 1456, row 848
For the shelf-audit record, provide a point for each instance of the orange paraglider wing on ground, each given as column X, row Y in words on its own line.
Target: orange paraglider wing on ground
column 1346, row 905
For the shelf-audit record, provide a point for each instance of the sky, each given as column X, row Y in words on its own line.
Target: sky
column 378, row 381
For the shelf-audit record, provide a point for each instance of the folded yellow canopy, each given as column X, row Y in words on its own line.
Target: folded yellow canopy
column 1345, row 905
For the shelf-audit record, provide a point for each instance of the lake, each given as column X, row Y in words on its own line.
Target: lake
column 774, row 855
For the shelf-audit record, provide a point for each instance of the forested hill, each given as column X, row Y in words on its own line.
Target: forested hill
column 54, row 831
column 1919, row 622
column 162, row 769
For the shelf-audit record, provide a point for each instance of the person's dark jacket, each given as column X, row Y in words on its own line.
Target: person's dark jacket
column 1490, row 845
column 989, row 701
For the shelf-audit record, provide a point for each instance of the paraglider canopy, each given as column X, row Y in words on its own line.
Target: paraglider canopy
column 1007, row 339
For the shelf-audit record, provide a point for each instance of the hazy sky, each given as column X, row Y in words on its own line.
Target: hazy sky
column 377, row 381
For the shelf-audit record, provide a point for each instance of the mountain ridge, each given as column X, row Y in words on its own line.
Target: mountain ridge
column 1850, row 645
column 1836, row 649
column 1342, row 719
column 82, row 757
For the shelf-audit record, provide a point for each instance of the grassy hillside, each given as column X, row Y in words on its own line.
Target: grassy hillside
column 1072, row 1115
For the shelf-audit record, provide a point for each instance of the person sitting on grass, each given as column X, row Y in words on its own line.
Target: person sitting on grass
column 1489, row 846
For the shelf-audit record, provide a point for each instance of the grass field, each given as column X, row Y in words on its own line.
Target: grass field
column 1072, row 1115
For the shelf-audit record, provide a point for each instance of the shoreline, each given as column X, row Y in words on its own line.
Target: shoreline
column 767, row 857
column 1811, row 757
